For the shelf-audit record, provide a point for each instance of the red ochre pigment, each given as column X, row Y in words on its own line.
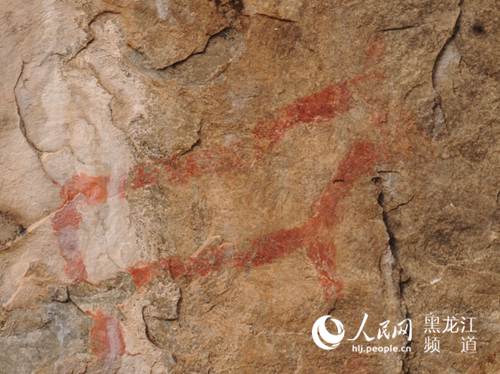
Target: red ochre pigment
column 321, row 106
column 359, row 161
column 106, row 337
column 83, row 189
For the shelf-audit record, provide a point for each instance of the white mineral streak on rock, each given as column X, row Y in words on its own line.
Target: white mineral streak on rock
column 70, row 123
column 60, row 165
column 107, row 229
column 67, row 113
column 114, row 338
column 288, row 10
column 39, row 247
column 435, row 280
column 142, row 352
column 61, row 33
column 106, row 240
column 50, row 133
column 98, row 149
column 162, row 9
column 143, row 355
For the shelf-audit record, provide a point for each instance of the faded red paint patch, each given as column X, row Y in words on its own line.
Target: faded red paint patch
column 143, row 274
column 212, row 259
column 216, row 160
column 374, row 51
column 141, row 177
column 322, row 255
column 270, row 247
column 122, row 187
column 311, row 236
column 190, row 267
column 67, row 217
column 93, row 188
column 320, row 106
column 106, row 337
column 359, row 161
column 180, row 170
column 379, row 119
column 65, row 224
column 66, row 221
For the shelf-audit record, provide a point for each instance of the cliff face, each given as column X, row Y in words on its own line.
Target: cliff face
column 186, row 186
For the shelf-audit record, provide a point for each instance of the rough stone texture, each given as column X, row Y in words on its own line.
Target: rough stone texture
column 187, row 185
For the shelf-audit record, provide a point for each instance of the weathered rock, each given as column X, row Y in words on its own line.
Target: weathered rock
column 186, row 186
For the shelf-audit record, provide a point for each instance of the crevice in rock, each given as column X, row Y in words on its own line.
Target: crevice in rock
column 88, row 42
column 391, row 269
column 231, row 9
column 237, row 5
column 387, row 171
column 10, row 230
column 22, row 125
column 201, row 66
column 442, row 51
column 106, row 89
column 90, row 37
column 385, row 218
column 74, row 303
column 24, row 231
column 196, row 143
column 439, row 120
column 401, row 204
column 146, row 329
column 220, row 34
column 410, row 91
column 398, row 28
column 276, row 18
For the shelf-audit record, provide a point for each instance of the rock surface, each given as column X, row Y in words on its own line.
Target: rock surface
column 186, row 186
